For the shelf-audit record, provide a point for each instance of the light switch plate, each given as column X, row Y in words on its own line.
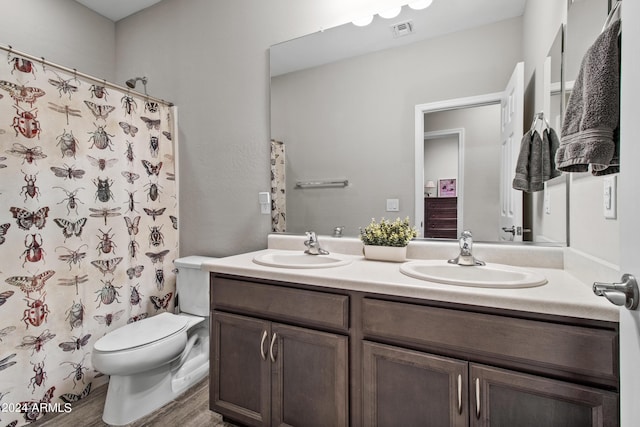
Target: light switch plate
column 265, row 202
column 609, row 199
column 547, row 201
column 393, row 205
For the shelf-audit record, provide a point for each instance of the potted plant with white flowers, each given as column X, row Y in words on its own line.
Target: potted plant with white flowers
column 387, row 240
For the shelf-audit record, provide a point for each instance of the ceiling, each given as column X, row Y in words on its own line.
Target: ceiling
column 117, row 9
column 346, row 41
column 465, row 9
column 440, row 18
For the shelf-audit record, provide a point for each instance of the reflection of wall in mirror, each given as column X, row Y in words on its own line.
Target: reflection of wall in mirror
column 591, row 232
column 355, row 119
column 440, row 158
column 548, row 208
column 585, row 19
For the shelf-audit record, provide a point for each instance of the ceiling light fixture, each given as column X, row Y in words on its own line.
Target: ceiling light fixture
column 391, row 13
column 420, row 4
column 363, row 22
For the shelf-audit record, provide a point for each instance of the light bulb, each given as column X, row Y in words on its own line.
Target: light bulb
column 420, row 4
column 363, row 22
column 391, row 13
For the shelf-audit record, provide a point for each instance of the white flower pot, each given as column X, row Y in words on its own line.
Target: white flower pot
column 385, row 253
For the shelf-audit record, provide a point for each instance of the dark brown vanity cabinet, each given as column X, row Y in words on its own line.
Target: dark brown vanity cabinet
column 407, row 387
column 271, row 373
column 505, row 398
column 286, row 354
column 467, row 388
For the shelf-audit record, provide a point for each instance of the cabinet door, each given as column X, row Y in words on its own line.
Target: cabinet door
column 506, row 398
column 408, row 388
column 240, row 377
column 310, row 374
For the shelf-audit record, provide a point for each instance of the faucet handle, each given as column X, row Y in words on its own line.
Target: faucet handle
column 311, row 238
column 312, row 244
column 466, row 256
column 466, row 241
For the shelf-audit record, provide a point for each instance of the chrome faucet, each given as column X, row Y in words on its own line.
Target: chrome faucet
column 313, row 245
column 466, row 256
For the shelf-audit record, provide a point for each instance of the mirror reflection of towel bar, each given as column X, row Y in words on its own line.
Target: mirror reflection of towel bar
column 320, row 184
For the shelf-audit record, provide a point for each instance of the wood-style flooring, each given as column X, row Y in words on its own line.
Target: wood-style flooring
column 190, row 409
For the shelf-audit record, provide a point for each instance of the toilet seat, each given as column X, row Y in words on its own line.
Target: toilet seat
column 141, row 333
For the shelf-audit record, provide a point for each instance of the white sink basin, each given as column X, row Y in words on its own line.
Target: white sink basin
column 486, row 276
column 298, row 259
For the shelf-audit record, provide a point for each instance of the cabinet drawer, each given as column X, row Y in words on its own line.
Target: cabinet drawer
column 441, row 224
column 302, row 306
column 576, row 352
column 441, row 202
column 442, row 214
column 442, row 233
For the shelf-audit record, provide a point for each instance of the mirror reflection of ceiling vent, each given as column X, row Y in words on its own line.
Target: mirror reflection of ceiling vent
column 402, row 29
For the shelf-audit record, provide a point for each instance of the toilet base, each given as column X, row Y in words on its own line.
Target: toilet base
column 134, row 396
column 131, row 397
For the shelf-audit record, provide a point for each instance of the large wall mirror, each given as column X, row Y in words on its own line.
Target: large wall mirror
column 343, row 104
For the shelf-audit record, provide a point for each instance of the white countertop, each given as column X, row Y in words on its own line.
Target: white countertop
column 563, row 295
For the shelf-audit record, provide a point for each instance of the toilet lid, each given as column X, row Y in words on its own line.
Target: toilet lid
column 143, row 332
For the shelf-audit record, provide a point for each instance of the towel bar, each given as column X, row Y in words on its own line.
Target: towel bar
column 322, row 183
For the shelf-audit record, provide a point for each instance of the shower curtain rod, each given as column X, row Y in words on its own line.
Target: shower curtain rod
column 75, row 72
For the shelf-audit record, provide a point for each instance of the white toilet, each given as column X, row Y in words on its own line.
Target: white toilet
column 152, row 361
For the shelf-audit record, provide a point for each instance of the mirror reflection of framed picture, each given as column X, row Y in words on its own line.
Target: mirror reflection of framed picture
column 447, row 187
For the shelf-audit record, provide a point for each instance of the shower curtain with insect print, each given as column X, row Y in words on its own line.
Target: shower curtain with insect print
column 88, row 228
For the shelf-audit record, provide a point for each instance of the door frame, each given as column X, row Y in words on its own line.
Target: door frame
column 432, row 107
column 628, row 212
column 459, row 134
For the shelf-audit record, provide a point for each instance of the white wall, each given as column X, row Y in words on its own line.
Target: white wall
column 590, row 232
column 588, row 224
column 224, row 99
column 440, row 159
column 211, row 59
column 61, row 31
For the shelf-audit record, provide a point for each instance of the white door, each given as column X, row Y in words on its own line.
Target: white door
column 511, row 126
column 629, row 212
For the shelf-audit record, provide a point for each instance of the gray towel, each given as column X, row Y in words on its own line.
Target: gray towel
column 593, row 110
column 535, row 163
column 550, row 145
column 529, row 164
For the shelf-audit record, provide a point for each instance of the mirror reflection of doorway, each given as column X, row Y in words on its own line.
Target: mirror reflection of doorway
column 443, row 156
column 466, row 141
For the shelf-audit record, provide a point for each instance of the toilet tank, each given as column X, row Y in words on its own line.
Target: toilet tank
column 192, row 285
